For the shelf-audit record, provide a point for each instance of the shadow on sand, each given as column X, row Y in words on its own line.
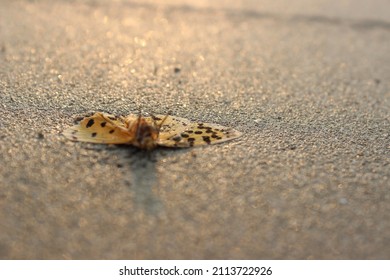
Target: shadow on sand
column 141, row 175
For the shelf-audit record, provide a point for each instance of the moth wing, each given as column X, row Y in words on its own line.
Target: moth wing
column 100, row 128
column 182, row 133
column 129, row 119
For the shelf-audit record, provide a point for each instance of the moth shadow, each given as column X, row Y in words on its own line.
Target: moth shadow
column 141, row 176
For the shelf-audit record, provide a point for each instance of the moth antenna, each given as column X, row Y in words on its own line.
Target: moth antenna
column 161, row 123
column 138, row 122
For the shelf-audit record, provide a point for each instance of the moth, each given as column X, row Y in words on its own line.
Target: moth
column 148, row 132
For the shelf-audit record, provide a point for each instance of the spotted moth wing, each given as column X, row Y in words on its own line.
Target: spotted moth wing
column 100, row 128
column 182, row 133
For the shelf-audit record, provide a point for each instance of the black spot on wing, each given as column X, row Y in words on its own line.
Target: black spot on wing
column 90, row 123
column 191, row 141
column 94, row 134
column 176, row 138
column 206, row 139
column 103, row 124
column 215, row 136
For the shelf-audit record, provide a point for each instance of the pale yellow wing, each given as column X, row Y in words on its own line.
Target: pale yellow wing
column 182, row 133
column 100, row 128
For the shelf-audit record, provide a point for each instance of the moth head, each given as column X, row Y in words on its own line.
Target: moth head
column 146, row 135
